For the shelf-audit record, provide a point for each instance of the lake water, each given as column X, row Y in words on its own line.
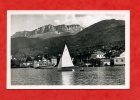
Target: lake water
column 91, row 76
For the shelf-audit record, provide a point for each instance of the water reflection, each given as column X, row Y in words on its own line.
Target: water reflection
column 101, row 75
column 67, row 78
column 90, row 76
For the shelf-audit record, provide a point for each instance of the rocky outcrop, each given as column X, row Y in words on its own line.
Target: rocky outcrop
column 51, row 30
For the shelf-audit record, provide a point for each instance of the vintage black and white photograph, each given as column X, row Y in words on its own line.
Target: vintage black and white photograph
column 68, row 49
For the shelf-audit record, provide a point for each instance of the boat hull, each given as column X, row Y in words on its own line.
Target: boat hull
column 66, row 69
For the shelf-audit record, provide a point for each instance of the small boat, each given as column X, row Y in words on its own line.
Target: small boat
column 63, row 69
column 65, row 63
column 82, row 69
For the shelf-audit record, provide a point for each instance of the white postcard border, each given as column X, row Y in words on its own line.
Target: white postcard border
column 127, row 49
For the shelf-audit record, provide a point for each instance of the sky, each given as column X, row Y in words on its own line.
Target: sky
column 30, row 22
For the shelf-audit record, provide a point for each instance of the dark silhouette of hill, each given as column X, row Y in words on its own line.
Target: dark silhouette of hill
column 101, row 33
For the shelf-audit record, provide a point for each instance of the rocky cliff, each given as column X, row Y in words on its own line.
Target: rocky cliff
column 50, row 31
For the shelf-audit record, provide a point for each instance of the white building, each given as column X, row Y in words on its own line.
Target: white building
column 54, row 61
column 98, row 54
column 120, row 60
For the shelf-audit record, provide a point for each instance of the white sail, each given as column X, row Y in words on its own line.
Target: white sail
column 65, row 60
column 60, row 63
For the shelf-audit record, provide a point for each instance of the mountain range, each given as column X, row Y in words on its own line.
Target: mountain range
column 101, row 33
column 49, row 31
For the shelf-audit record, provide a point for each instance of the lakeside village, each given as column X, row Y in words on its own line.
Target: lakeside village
column 94, row 59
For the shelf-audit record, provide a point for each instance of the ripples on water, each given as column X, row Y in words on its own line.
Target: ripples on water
column 91, row 76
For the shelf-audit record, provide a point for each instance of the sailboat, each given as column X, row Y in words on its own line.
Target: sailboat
column 65, row 63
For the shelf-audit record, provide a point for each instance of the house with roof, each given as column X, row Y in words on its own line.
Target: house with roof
column 120, row 60
column 96, row 58
column 106, row 62
column 97, row 54
column 54, row 60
